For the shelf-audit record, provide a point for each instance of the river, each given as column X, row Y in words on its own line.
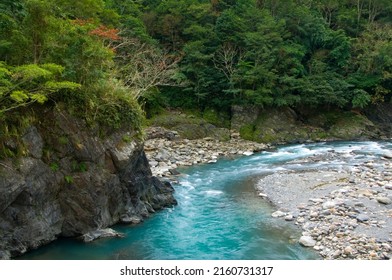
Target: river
column 220, row 215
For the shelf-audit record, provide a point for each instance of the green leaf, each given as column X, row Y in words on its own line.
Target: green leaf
column 56, row 86
column 19, row 96
column 53, row 68
column 39, row 97
column 31, row 72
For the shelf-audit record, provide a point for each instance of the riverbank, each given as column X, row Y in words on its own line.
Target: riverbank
column 343, row 214
column 167, row 151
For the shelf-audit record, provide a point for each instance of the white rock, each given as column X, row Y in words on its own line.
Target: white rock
column 278, row 214
column 289, row 218
column 316, row 200
column 248, row 153
column 307, row 241
column 329, row 204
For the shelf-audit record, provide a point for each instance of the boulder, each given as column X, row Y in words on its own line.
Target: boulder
column 307, row 241
column 100, row 233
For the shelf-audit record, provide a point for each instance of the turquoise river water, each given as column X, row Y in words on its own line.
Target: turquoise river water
column 219, row 215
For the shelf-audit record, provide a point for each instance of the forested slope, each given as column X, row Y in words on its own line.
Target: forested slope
column 102, row 59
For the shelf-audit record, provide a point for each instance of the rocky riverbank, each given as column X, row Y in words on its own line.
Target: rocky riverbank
column 344, row 214
column 167, row 151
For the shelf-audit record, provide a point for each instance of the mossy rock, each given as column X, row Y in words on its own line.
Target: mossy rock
column 219, row 119
column 191, row 125
column 247, row 132
column 196, row 131
column 173, row 119
column 352, row 126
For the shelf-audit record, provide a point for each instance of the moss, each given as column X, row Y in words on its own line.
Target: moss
column 247, row 132
column 268, row 138
column 173, row 119
column 219, row 119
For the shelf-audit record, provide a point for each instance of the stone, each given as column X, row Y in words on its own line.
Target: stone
column 289, row 218
column 348, row 250
column 248, row 153
column 329, row 204
column 33, row 141
column 131, row 219
column 100, row 233
column 263, row 195
column 387, row 155
column 307, row 241
column 174, row 172
column 278, row 214
column 384, row 200
column 362, row 218
column 359, row 204
column 313, row 214
column 316, row 200
column 122, row 155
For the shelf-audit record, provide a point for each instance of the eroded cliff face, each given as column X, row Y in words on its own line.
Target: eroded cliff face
column 269, row 125
column 71, row 182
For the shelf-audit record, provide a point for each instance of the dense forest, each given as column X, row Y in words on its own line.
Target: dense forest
column 105, row 60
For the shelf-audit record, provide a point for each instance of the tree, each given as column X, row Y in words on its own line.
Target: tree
column 143, row 67
column 31, row 83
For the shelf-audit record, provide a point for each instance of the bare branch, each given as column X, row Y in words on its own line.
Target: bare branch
column 143, row 67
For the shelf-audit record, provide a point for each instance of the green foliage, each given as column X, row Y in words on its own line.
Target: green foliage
column 26, row 84
column 101, row 58
column 277, row 53
column 54, row 166
column 69, row 179
column 79, row 166
column 361, row 99
column 247, row 132
column 110, row 104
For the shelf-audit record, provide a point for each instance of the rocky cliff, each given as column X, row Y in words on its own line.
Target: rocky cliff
column 71, row 181
column 286, row 125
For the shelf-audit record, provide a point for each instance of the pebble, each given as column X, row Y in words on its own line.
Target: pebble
column 384, row 200
column 362, row 218
column 289, row 218
column 329, row 205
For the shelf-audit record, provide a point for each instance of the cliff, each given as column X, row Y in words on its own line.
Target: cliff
column 71, row 182
column 286, row 125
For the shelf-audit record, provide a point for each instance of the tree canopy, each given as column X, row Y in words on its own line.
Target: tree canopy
column 195, row 53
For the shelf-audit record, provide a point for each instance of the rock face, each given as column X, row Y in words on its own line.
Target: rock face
column 71, row 182
column 381, row 114
column 269, row 125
